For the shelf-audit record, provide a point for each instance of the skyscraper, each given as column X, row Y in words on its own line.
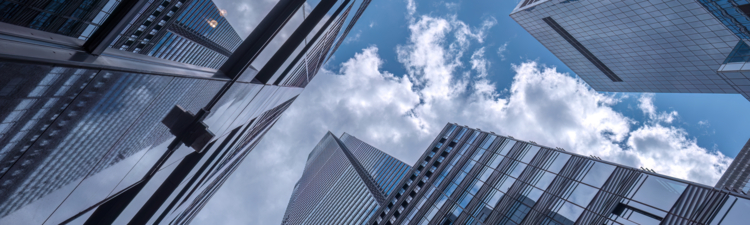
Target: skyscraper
column 737, row 176
column 345, row 181
column 77, row 18
column 643, row 46
column 187, row 31
column 97, row 135
column 467, row 176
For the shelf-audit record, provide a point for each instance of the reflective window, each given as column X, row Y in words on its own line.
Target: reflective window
column 559, row 163
column 534, row 194
column 582, row 194
column 507, row 147
column 488, row 141
column 486, row 172
column 568, row 212
column 475, row 188
column 738, row 213
column 545, row 180
column 598, row 174
column 505, row 183
column 494, row 197
column 519, row 167
column 530, row 154
column 659, row 192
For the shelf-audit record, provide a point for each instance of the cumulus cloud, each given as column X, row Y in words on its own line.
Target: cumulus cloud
column 401, row 114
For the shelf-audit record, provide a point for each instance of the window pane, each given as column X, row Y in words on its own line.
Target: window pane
column 530, row 154
column 559, row 162
column 568, row 213
column 738, row 213
column 659, row 192
column 598, row 174
column 582, row 195
column 545, row 180
column 504, row 184
column 518, row 169
column 507, row 147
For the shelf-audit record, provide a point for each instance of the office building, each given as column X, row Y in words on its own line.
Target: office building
column 77, row 18
column 644, row 46
column 345, row 181
column 187, row 31
column 737, row 176
column 96, row 135
column 467, row 176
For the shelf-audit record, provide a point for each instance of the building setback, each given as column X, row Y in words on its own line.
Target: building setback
column 646, row 46
column 345, row 181
column 467, row 176
column 91, row 134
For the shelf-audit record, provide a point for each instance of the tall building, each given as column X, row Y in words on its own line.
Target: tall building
column 77, row 18
column 345, row 181
column 737, row 176
column 467, row 176
column 187, row 31
column 645, row 46
column 97, row 135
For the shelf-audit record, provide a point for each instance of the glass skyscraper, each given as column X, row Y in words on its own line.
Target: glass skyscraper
column 468, row 176
column 97, row 135
column 77, row 18
column 737, row 176
column 187, row 31
column 345, row 181
column 646, row 46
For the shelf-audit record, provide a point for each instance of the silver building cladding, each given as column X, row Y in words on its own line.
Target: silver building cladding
column 345, row 181
column 467, row 176
column 640, row 46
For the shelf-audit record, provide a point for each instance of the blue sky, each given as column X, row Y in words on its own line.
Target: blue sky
column 385, row 26
column 408, row 69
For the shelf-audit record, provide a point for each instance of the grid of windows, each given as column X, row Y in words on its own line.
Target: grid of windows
column 653, row 46
column 506, row 181
column 78, row 18
column 332, row 191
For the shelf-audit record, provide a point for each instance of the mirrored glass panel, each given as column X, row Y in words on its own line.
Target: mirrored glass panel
column 659, row 192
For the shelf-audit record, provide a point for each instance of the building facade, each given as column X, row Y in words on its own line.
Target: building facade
column 78, row 18
column 645, row 46
column 468, row 176
column 345, row 181
column 737, row 176
column 187, row 31
column 122, row 137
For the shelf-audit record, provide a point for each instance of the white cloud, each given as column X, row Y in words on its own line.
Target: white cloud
column 411, row 7
column 501, row 51
column 452, row 5
column 646, row 104
column 402, row 114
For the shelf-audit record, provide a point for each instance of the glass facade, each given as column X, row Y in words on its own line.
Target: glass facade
column 737, row 176
column 78, row 18
column 467, row 176
column 333, row 191
column 640, row 46
column 193, row 32
column 83, row 137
